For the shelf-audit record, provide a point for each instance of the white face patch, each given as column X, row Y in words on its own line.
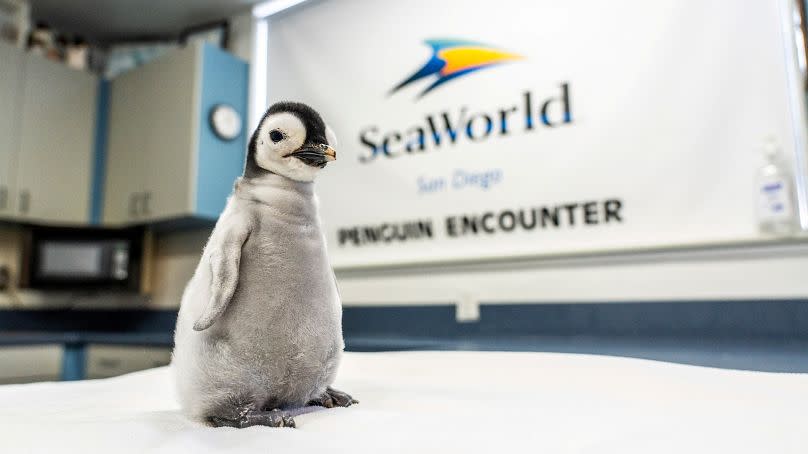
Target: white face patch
column 279, row 135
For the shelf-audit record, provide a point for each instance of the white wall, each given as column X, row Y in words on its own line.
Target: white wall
column 175, row 258
column 10, row 250
column 740, row 273
column 730, row 271
column 719, row 273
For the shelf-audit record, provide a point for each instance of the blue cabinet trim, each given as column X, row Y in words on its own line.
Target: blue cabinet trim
column 99, row 153
column 74, row 361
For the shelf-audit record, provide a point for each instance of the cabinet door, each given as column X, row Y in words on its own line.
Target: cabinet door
column 111, row 360
column 56, row 143
column 172, row 134
column 151, row 134
column 30, row 363
column 127, row 147
column 10, row 78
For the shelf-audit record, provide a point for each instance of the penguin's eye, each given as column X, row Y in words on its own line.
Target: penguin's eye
column 276, row 136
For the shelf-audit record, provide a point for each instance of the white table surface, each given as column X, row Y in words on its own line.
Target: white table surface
column 461, row 402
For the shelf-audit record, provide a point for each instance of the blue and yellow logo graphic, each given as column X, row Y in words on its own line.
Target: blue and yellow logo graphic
column 452, row 58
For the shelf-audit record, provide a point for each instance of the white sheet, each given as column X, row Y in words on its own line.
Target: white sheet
column 442, row 402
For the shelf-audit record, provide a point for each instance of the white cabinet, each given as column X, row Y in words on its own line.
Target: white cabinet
column 30, row 363
column 110, row 360
column 56, row 143
column 126, row 149
column 164, row 164
column 151, row 136
column 10, row 87
column 47, row 152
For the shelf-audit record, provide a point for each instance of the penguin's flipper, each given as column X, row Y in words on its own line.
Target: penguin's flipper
column 225, row 256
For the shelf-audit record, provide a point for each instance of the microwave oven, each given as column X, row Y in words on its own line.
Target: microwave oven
column 82, row 258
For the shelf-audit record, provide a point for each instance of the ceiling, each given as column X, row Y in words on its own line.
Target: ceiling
column 105, row 21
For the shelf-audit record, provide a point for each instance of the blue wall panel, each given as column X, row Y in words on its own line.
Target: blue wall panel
column 224, row 81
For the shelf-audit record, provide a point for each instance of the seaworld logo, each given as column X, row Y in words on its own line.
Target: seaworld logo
column 446, row 128
column 452, row 58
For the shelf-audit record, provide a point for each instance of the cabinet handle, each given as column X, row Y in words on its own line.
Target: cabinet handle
column 3, row 197
column 146, row 205
column 25, row 201
column 133, row 210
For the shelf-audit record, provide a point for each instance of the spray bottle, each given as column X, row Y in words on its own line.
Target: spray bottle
column 775, row 194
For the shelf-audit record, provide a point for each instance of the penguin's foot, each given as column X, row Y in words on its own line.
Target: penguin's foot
column 248, row 418
column 333, row 398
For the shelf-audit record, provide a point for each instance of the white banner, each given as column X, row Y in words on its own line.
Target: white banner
column 473, row 130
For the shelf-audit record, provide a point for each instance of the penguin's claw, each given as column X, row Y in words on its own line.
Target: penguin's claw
column 334, row 398
column 288, row 421
column 274, row 418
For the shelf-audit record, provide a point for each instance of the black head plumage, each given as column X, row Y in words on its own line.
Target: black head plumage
column 315, row 131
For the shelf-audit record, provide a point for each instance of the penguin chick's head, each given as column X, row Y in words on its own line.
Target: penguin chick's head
column 292, row 140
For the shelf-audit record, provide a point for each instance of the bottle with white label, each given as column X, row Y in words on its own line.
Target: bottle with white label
column 776, row 213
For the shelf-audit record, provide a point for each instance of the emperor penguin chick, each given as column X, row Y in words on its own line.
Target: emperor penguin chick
column 259, row 333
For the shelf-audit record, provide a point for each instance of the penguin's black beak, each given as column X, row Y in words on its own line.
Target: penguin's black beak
column 316, row 155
